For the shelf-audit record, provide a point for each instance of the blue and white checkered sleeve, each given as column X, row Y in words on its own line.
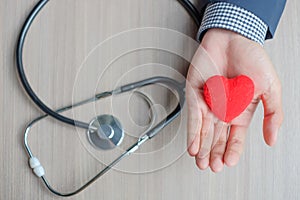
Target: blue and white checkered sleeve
column 229, row 16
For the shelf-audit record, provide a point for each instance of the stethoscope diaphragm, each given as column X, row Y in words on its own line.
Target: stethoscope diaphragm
column 105, row 132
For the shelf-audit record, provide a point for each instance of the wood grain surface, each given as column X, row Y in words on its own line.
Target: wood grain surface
column 77, row 48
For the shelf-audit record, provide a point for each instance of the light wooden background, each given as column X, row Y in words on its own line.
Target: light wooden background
column 60, row 39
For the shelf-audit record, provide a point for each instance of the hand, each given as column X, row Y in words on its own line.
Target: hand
column 222, row 52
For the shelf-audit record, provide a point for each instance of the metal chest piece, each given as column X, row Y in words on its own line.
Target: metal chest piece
column 105, row 132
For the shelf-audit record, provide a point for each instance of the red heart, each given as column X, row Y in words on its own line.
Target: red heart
column 228, row 98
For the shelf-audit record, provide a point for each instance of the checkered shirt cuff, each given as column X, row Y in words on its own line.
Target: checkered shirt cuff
column 229, row 16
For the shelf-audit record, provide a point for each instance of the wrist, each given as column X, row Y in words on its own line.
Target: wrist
column 218, row 39
column 220, row 35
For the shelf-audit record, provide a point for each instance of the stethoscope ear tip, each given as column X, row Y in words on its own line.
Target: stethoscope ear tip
column 105, row 132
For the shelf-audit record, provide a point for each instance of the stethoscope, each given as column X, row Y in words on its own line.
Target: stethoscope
column 105, row 131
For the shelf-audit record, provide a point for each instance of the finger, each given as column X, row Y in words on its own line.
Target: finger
column 202, row 163
column 273, row 114
column 206, row 135
column 220, row 128
column 218, row 150
column 235, row 145
column 202, row 67
column 194, row 120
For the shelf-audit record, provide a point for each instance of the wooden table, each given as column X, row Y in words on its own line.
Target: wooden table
column 69, row 56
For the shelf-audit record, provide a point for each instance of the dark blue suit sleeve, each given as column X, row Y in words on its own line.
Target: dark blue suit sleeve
column 269, row 11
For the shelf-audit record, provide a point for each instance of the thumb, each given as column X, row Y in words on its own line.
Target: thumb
column 273, row 114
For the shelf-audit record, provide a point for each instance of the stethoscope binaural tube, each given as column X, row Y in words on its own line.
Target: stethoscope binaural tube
column 33, row 161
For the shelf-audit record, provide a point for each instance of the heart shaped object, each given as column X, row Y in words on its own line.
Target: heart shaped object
column 228, row 98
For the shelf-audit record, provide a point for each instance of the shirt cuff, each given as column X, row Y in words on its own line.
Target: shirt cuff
column 229, row 16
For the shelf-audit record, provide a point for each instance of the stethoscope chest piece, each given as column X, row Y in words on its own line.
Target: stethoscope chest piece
column 105, row 132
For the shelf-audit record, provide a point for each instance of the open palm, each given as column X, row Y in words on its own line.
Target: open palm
column 229, row 54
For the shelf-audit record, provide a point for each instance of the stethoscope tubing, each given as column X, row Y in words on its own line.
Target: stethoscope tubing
column 22, row 75
column 178, row 87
